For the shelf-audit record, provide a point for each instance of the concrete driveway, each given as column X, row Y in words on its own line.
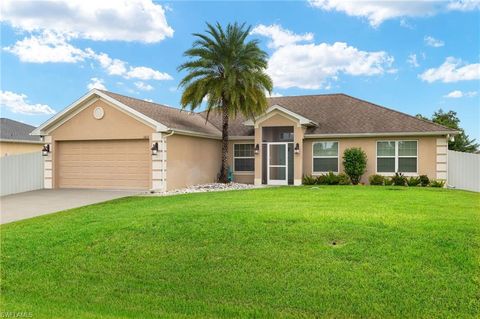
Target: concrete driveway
column 46, row 201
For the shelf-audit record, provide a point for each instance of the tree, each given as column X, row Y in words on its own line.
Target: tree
column 228, row 73
column 354, row 163
column 462, row 141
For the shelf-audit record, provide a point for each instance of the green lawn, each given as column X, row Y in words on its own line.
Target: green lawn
column 292, row 252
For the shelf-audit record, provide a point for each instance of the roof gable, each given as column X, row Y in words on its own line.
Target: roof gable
column 87, row 100
column 301, row 119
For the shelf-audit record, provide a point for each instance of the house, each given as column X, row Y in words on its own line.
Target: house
column 107, row 140
column 15, row 138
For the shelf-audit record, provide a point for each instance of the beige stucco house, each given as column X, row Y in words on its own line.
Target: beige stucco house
column 110, row 141
column 15, row 138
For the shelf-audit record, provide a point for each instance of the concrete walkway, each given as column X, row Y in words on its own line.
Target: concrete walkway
column 46, row 201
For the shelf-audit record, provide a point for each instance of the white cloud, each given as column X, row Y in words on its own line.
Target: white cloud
column 143, row 86
column 18, row 103
column 96, row 83
column 279, row 36
column 112, row 66
column 377, row 12
column 46, row 47
column 276, row 94
column 122, row 20
column 452, row 70
column 412, row 60
column 459, row 94
column 464, row 5
column 145, row 73
column 148, row 100
column 312, row 66
column 432, row 42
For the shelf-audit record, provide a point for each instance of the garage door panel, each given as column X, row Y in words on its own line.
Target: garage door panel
column 113, row 164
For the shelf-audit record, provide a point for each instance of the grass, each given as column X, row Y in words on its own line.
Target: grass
column 303, row 252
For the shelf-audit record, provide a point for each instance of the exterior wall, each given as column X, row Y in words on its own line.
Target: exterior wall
column 115, row 124
column 240, row 177
column 192, row 160
column 11, row 148
column 279, row 119
column 442, row 158
column 427, row 153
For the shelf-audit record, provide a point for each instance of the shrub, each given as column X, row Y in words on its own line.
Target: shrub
column 331, row 179
column 343, row 179
column 413, row 181
column 399, row 179
column 424, row 180
column 388, row 181
column 355, row 163
column 308, row 180
column 376, row 179
column 321, row 180
column 437, row 183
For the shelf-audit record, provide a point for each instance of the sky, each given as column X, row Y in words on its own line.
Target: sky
column 412, row 56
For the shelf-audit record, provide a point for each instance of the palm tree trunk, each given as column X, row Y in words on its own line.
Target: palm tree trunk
column 223, row 170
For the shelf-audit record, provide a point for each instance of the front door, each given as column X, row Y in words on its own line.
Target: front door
column 277, row 159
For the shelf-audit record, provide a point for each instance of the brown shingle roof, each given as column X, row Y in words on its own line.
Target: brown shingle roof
column 341, row 114
column 334, row 113
column 171, row 117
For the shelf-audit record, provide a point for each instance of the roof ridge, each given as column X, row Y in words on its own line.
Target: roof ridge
column 144, row 101
column 393, row 110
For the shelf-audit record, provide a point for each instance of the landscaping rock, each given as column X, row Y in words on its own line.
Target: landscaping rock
column 213, row 187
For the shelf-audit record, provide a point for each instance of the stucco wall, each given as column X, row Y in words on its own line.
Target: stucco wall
column 10, row 148
column 427, row 152
column 192, row 160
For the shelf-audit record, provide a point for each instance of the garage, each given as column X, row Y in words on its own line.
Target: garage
column 103, row 164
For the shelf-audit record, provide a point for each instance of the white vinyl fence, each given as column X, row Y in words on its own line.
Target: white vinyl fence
column 464, row 171
column 21, row 173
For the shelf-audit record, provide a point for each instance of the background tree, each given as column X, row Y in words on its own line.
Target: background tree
column 228, row 72
column 462, row 142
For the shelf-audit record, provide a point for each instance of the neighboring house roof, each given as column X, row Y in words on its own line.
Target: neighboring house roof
column 342, row 114
column 171, row 117
column 11, row 130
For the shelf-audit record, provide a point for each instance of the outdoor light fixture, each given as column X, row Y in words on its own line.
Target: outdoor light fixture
column 257, row 149
column 154, row 148
column 297, row 148
column 46, row 149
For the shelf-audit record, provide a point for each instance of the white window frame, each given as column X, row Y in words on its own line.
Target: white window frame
column 396, row 157
column 314, row 157
column 234, row 157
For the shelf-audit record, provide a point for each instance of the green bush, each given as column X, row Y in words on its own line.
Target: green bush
column 331, row 179
column 320, row 180
column 424, row 180
column 343, row 179
column 437, row 183
column 308, row 180
column 376, row 179
column 355, row 163
column 388, row 181
column 399, row 179
column 413, row 181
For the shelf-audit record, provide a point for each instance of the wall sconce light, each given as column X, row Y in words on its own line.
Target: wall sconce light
column 46, row 149
column 297, row 148
column 257, row 149
column 154, row 148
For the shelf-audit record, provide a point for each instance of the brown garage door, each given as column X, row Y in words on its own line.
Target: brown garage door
column 112, row 164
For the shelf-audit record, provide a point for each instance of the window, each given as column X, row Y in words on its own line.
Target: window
column 325, row 157
column 397, row 156
column 243, row 157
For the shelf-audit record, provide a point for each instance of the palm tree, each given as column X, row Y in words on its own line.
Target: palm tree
column 228, row 73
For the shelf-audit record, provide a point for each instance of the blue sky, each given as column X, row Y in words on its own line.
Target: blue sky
column 413, row 56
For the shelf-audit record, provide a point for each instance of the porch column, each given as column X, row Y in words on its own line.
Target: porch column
column 299, row 132
column 258, row 157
